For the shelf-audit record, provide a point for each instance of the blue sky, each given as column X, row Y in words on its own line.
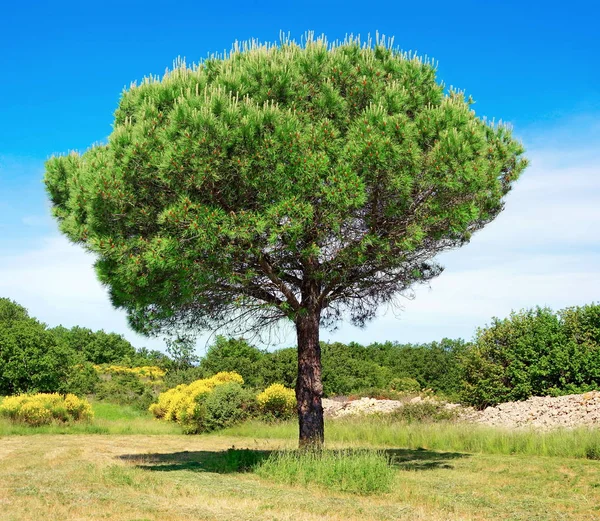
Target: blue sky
column 533, row 64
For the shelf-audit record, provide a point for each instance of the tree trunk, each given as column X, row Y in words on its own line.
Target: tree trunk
column 309, row 387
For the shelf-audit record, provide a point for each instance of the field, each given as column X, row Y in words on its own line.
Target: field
column 128, row 467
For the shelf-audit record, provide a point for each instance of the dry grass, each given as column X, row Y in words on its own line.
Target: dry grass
column 176, row 478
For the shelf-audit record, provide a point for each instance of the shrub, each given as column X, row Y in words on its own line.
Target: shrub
column 185, row 403
column 234, row 355
column 82, row 379
column 176, row 377
column 147, row 373
column 277, row 401
column 42, row 409
column 226, row 405
column 405, row 385
column 347, row 368
column 126, row 389
column 532, row 353
column 96, row 347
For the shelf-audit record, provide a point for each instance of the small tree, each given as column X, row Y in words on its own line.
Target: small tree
column 182, row 350
column 296, row 182
column 31, row 359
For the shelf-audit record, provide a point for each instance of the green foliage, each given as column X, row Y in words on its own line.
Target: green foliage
column 182, row 376
column 148, row 357
column 81, row 379
column 348, row 368
column 227, row 405
column 127, row 389
column 96, row 347
column 405, row 384
column 581, row 326
column 357, row 471
column 534, row 352
column 280, row 366
column 351, row 368
column 182, row 351
column 225, row 189
column 11, row 312
column 234, row 355
column 31, row 360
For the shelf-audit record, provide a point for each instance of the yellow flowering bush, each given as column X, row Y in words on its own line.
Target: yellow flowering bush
column 184, row 403
column 147, row 372
column 277, row 401
column 44, row 408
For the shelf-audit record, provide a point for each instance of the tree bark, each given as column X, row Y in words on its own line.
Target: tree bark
column 309, row 387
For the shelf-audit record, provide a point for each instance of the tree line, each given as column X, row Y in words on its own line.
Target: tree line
column 531, row 352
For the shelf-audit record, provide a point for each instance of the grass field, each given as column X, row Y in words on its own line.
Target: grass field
column 378, row 432
column 154, row 476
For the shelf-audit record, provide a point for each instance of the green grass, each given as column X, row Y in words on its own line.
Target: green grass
column 108, row 419
column 381, row 432
column 357, row 471
column 180, row 478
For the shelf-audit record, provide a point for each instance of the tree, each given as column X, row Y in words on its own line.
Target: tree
column 96, row 347
column 282, row 182
column 182, row 350
column 235, row 355
column 533, row 352
column 30, row 358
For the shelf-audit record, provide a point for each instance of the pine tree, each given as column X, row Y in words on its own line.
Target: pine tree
column 290, row 182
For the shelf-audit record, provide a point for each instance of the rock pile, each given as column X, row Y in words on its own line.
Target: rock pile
column 543, row 413
column 341, row 408
column 338, row 409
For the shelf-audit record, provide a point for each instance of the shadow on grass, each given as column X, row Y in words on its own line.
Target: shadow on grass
column 422, row 459
column 245, row 460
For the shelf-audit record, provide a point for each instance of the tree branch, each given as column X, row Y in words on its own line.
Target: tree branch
column 279, row 284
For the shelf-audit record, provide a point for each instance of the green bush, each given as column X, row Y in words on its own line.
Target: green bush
column 347, row 368
column 97, row 347
column 533, row 353
column 31, row 360
column 405, row 385
column 182, row 376
column 126, row 389
column 82, row 379
column 226, row 405
column 234, row 355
